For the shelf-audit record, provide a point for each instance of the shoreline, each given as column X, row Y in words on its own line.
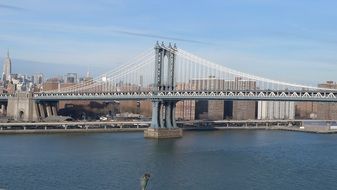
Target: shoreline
column 294, row 129
column 117, row 130
column 55, row 131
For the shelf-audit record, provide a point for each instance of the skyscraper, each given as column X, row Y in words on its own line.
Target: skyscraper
column 38, row 78
column 70, row 78
column 7, row 68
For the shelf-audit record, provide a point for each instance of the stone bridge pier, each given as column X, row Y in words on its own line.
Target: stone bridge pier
column 22, row 107
column 46, row 109
column 163, row 123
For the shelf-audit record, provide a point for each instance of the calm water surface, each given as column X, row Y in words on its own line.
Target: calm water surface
column 201, row 160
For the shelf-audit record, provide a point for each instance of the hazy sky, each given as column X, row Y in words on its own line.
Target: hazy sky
column 290, row 40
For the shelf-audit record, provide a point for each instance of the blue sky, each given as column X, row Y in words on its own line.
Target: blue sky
column 294, row 41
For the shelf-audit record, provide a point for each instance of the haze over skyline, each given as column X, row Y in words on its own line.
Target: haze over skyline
column 293, row 41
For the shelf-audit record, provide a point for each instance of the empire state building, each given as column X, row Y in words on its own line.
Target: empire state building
column 7, row 68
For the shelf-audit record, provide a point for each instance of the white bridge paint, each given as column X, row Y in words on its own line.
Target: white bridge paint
column 315, row 96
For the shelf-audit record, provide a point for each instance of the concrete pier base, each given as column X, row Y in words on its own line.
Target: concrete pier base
column 163, row 133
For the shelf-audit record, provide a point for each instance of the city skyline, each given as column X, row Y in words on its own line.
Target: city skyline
column 289, row 41
column 203, row 94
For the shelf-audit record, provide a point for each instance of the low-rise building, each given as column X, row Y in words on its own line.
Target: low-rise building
column 216, row 109
column 318, row 110
column 269, row 110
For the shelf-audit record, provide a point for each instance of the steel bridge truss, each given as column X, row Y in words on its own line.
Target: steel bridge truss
column 315, row 96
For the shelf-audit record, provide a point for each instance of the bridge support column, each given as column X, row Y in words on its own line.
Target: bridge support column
column 49, row 112
column 54, row 110
column 37, row 111
column 156, row 123
column 163, row 128
column 42, row 112
column 170, row 119
column 174, row 124
column 168, row 115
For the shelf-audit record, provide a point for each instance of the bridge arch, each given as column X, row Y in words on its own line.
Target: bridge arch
column 21, row 115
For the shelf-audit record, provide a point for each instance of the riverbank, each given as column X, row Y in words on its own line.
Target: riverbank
column 295, row 129
column 323, row 131
column 115, row 130
column 139, row 126
column 89, row 130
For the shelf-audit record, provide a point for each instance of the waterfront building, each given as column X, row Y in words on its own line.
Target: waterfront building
column 229, row 109
column 236, row 110
column 216, row 109
column 318, row 110
column 243, row 110
column 185, row 110
column 268, row 110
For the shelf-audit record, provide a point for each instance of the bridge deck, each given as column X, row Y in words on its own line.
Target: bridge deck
column 315, row 96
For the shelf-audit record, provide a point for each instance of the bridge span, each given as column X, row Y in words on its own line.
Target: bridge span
column 166, row 75
column 179, row 95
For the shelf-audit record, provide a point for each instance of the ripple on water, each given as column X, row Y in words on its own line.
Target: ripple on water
column 201, row 160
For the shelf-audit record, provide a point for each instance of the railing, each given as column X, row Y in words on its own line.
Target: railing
column 184, row 95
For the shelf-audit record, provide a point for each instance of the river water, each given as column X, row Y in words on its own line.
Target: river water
column 229, row 159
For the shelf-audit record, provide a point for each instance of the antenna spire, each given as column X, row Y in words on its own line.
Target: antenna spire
column 88, row 71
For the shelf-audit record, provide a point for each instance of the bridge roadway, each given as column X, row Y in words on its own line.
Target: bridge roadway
column 263, row 95
column 316, row 96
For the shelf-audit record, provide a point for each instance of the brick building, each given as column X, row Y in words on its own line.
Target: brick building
column 216, row 109
column 318, row 110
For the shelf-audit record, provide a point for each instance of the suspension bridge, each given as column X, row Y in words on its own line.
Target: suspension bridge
column 170, row 73
column 167, row 74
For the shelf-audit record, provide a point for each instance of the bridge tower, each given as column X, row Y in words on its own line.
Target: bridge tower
column 163, row 124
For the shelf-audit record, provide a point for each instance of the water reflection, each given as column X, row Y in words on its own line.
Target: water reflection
column 231, row 159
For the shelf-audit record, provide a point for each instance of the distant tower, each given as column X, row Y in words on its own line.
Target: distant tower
column 88, row 72
column 7, row 68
